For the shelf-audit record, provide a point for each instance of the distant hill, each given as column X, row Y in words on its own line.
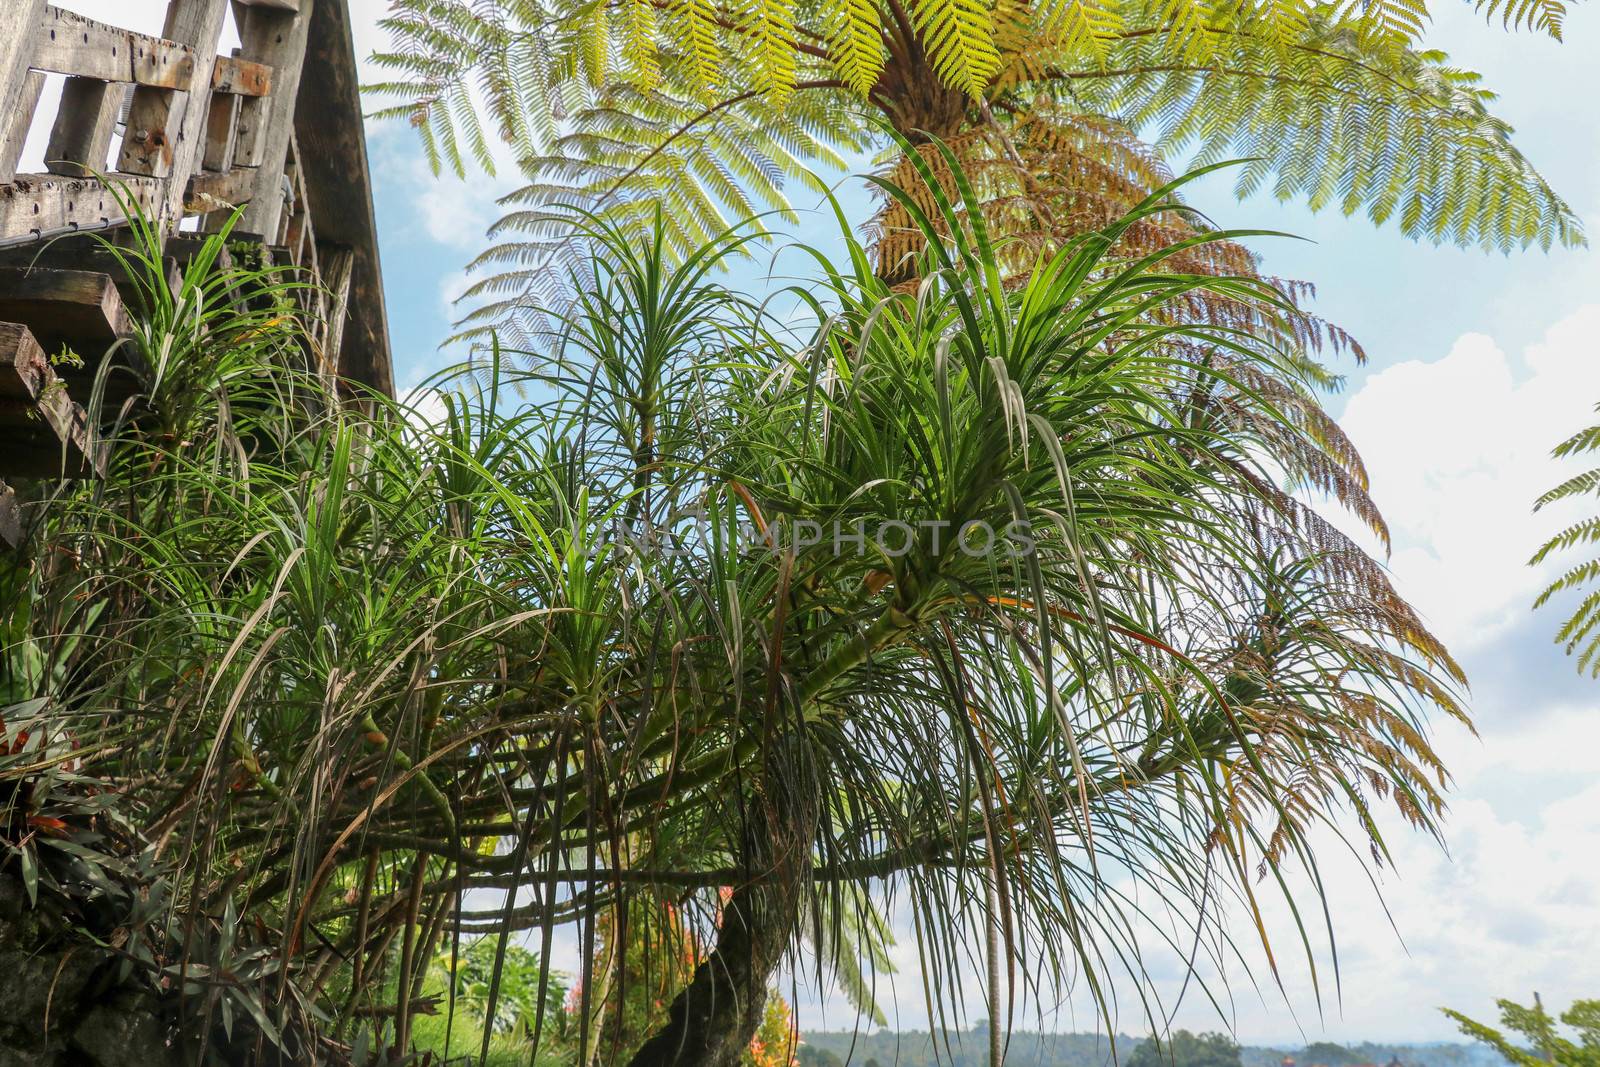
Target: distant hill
column 1436, row 1054
column 970, row 1048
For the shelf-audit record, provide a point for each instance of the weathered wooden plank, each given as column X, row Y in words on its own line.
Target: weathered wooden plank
column 16, row 41
column 165, row 133
column 15, row 132
column 23, row 365
column 77, row 312
column 82, row 253
column 81, row 137
column 222, row 123
column 147, row 141
column 250, row 134
column 47, row 434
column 45, row 204
column 10, row 516
column 338, row 265
column 297, row 219
column 74, row 306
column 219, row 192
column 277, row 38
column 68, row 43
column 183, row 247
column 333, row 161
column 241, row 77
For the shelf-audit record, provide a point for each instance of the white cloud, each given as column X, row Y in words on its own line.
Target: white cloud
column 1459, row 448
column 451, row 288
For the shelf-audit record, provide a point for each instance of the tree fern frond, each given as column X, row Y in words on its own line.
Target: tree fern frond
column 961, row 41
column 1579, row 533
column 771, row 30
column 857, row 43
column 694, row 26
column 1578, row 485
column 1545, row 16
column 1586, row 440
column 639, row 41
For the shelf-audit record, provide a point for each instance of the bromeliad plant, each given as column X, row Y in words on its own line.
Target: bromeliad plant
column 998, row 603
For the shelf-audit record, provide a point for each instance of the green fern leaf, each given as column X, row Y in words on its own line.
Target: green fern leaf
column 770, row 28
column 639, row 41
column 857, row 43
column 960, row 39
column 1545, row 16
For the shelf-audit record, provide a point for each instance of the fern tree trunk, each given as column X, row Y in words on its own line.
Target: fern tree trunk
column 910, row 93
column 712, row 1021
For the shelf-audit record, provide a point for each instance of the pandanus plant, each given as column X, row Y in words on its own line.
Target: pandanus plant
column 995, row 602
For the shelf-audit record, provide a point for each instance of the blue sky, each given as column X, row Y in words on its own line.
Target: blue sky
column 1479, row 363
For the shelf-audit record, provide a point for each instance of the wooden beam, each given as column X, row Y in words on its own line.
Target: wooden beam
column 166, row 132
column 15, row 134
column 16, row 41
column 80, row 312
column 81, row 253
column 219, row 192
column 241, row 77
column 222, row 125
column 24, row 368
column 71, row 305
column 333, row 163
column 68, row 43
column 81, row 137
column 10, row 516
column 251, row 134
column 277, row 38
column 46, row 433
column 41, row 204
column 338, row 265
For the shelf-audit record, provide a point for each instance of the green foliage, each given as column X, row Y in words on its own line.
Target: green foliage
column 82, row 851
column 520, row 989
column 958, row 37
column 1184, row 1049
column 1322, row 121
column 455, row 1029
column 1548, row 1044
column 810, row 1056
column 366, row 680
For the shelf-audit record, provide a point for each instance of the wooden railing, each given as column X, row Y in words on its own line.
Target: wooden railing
column 202, row 132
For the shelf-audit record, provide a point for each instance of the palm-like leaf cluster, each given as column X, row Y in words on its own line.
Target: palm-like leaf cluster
column 372, row 682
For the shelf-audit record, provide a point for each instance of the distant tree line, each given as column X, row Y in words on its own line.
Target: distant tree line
column 918, row 1048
